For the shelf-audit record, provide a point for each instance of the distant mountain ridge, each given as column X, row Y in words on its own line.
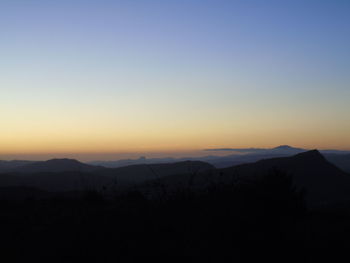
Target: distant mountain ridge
column 78, row 177
column 58, row 165
column 249, row 155
column 53, row 165
column 323, row 182
column 8, row 165
column 212, row 159
column 282, row 149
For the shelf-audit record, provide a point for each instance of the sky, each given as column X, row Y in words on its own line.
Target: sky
column 97, row 78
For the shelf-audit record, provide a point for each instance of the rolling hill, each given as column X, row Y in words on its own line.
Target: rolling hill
column 75, row 176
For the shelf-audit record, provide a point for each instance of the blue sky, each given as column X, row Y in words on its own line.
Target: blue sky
column 123, row 76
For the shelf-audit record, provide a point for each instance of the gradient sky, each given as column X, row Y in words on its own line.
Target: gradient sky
column 98, row 76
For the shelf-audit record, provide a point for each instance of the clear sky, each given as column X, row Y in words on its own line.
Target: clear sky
column 123, row 77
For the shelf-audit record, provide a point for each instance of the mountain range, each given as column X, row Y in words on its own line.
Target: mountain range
column 323, row 181
column 70, row 175
column 241, row 156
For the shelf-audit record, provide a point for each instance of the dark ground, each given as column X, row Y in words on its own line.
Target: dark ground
column 266, row 220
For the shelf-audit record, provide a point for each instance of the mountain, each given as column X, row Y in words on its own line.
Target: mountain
column 286, row 149
column 240, row 156
column 339, row 158
column 141, row 160
column 143, row 172
column 251, row 155
column 55, row 182
column 324, row 182
column 282, row 149
column 231, row 160
column 55, row 166
column 75, row 176
column 6, row 166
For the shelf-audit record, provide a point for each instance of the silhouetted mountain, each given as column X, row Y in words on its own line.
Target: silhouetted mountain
column 6, row 166
column 242, row 156
column 136, row 174
column 341, row 160
column 231, row 160
column 75, row 176
column 55, row 166
column 324, row 183
column 57, row 181
column 282, row 149
column 141, row 160
column 250, row 155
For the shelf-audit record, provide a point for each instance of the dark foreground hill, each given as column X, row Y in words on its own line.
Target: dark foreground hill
column 323, row 182
column 264, row 220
